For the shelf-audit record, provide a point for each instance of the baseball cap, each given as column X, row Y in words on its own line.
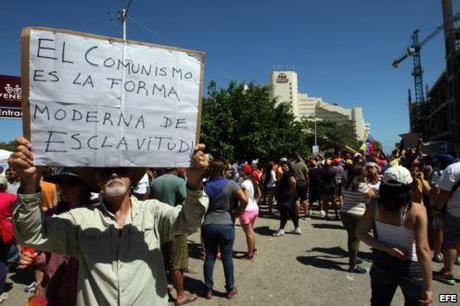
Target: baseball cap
column 397, row 176
column 283, row 160
column 373, row 165
column 445, row 159
column 246, row 169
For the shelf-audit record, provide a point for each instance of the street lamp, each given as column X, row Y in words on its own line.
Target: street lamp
column 315, row 133
column 315, row 148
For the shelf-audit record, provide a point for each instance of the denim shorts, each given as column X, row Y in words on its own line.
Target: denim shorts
column 388, row 272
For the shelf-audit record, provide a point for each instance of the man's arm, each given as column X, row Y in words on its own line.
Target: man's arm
column 186, row 219
column 182, row 219
column 57, row 234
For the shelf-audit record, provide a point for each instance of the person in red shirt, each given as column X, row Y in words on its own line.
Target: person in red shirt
column 7, row 201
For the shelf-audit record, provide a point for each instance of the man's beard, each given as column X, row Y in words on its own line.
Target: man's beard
column 115, row 188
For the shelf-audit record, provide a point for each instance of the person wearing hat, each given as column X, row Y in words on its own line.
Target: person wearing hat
column 300, row 171
column 328, row 187
column 373, row 176
column 440, row 163
column 448, row 199
column 402, row 255
column 57, row 277
column 117, row 243
column 279, row 168
column 251, row 212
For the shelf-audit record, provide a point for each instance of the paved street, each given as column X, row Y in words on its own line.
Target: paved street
column 292, row 270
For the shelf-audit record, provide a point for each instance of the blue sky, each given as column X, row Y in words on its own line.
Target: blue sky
column 341, row 50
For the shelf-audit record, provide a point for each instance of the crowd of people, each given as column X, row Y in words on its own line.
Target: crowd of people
column 88, row 232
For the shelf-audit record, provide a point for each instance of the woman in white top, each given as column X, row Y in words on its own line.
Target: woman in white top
column 250, row 214
column 402, row 256
column 373, row 176
column 356, row 195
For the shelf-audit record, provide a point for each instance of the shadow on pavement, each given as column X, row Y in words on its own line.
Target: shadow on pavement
column 197, row 287
column 264, row 231
column 328, row 226
column 24, row 277
column 322, row 263
column 193, row 285
column 7, row 287
column 337, row 251
column 195, row 250
column 367, row 256
column 340, row 252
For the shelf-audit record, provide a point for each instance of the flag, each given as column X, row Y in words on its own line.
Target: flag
column 372, row 146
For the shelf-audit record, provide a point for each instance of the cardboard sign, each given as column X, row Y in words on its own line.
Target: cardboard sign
column 10, row 97
column 410, row 140
column 101, row 102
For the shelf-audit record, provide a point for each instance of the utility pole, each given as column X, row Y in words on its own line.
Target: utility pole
column 122, row 15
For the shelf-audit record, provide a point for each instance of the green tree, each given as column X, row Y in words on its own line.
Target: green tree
column 9, row 146
column 242, row 122
column 332, row 135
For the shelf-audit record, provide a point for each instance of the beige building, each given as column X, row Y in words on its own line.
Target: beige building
column 284, row 88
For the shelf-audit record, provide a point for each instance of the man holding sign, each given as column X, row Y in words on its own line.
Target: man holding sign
column 111, row 104
column 118, row 243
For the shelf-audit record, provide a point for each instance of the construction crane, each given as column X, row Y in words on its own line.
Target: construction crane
column 414, row 51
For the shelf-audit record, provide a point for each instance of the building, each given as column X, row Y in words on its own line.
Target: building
column 440, row 114
column 284, row 88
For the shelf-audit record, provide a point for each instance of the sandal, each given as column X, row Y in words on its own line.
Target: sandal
column 249, row 256
column 191, row 297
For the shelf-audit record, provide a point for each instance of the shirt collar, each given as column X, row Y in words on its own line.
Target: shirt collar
column 133, row 214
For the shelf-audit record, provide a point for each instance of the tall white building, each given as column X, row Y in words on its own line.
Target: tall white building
column 284, row 88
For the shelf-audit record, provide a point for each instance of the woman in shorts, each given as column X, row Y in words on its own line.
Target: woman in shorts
column 249, row 216
column 401, row 254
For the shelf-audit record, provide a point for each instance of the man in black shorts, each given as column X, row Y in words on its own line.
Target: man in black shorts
column 328, row 187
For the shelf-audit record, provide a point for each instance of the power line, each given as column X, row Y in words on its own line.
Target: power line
column 152, row 31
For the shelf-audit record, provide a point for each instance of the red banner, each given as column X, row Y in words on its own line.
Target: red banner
column 10, row 97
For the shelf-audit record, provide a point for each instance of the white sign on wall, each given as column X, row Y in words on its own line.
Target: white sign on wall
column 97, row 101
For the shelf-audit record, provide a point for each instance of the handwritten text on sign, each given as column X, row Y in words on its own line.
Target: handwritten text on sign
column 96, row 102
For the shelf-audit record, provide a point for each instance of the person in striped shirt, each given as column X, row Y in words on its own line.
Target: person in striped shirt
column 356, row 196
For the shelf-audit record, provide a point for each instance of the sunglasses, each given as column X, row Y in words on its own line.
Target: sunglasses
column 107, row 172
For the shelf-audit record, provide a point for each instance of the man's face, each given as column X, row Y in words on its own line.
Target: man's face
column 11, row 175
column 285, row 167
column 229, row 172
column 415, row 171
column 113, row 182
